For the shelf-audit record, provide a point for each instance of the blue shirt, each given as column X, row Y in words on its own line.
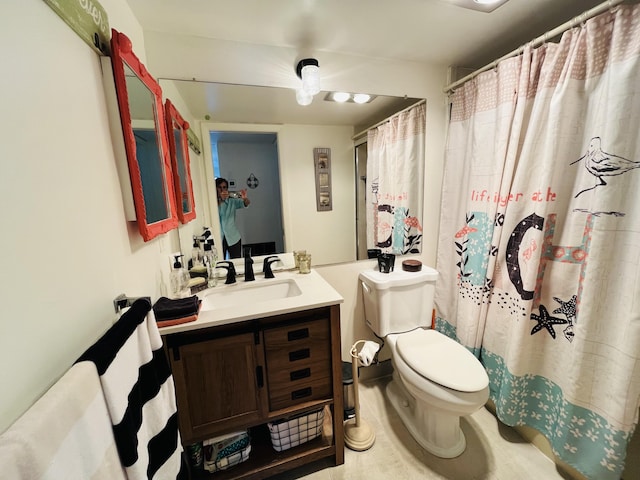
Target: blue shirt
column 227, row 213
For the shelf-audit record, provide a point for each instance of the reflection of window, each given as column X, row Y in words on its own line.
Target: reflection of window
column 215, row 159
column 151, row 175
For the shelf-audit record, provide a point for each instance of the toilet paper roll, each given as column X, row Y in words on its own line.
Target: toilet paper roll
column 368, row 352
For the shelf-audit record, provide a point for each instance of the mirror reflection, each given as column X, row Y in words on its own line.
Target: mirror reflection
column 179, row 151
column 145, row 139
column 148, row 148
column 243, row 117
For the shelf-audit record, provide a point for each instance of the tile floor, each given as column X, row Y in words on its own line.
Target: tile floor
column 494, row 451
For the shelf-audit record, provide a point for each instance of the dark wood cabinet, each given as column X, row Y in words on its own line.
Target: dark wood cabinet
column 298, row 358
column 218, row 385
column 246, row 374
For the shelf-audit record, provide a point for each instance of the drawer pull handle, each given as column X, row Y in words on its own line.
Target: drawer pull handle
column 298, row 334
column 303, row 392
column 259, row 377
column 299, row 354
column 298, row 374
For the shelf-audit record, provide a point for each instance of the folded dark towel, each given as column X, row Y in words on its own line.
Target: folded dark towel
column 170, row 309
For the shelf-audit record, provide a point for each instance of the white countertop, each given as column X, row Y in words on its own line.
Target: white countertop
column 315, row 292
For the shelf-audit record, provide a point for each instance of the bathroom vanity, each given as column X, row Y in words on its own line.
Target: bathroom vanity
column 251, row 359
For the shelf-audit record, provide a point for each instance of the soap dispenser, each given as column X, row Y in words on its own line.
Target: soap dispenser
column 214, row 250
column 210, row 259
column 196, row 254
column 179, row 279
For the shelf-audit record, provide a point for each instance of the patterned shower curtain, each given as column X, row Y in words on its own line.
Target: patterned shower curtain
column 395, row 168
column 539, row 243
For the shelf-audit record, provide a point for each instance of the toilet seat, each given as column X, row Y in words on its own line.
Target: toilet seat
column 442, row 360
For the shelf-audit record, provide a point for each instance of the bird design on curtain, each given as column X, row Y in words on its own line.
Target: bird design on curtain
column 602, row 164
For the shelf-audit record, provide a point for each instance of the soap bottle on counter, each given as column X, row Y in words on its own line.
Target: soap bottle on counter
column 196, row 254
column 210, row 259
column 179, row 279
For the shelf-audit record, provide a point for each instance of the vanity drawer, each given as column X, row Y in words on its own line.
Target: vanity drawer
column 298, row 358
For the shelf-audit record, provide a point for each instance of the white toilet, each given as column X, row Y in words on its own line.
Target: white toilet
column 435, row 380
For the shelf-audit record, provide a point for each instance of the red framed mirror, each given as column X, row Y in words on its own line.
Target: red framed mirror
column 145, row 139
column 179, row 150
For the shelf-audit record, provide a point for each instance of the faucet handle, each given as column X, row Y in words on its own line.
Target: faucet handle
column 266, row 268
column 248, row 266
column 231, row 271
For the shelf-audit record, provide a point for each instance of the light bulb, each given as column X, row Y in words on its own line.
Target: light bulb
column 361, row 98
column 302, row 97
column 311, row 79
column 341, row 96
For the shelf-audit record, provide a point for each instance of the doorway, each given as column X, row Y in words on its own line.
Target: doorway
column 250, row 161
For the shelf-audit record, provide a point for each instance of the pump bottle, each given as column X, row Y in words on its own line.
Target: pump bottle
column 179, row 279
column 196, row 254
column 210, row 259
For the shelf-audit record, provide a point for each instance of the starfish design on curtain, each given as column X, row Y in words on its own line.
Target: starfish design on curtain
column 546, row 321
column 567, row 308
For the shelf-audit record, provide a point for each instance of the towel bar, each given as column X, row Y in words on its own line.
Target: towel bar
column 122, row 301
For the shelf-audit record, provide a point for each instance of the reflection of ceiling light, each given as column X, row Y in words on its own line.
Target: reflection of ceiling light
column 302, row 97
column 308, row 70
column 361, row 98
column 341, row 96
column 479, row 5
column 344, row 97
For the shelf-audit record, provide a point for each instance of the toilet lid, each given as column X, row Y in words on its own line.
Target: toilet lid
column 442, row 360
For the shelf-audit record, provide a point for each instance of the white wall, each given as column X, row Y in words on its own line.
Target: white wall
column 66, row 246
column 329, row 236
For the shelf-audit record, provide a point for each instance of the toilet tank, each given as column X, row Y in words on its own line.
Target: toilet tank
column 399, row 301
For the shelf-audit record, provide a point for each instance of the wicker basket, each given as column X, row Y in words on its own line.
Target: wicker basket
column 226, row 451
column 294, row 431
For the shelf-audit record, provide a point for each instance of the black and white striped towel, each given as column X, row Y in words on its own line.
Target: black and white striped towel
column 140, row 395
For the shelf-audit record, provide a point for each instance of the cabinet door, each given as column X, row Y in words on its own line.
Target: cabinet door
column 218, row 385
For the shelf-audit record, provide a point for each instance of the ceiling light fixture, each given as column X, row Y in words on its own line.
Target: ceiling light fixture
column 308, row 70
column 341, row 97
column 303, row 98
column 345, row 97
column 361, row 98
column 479, row 5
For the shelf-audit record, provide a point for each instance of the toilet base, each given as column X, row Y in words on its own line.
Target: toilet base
column 436, row 431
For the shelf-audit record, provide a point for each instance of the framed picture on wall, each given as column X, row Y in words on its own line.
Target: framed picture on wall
column 322, row 169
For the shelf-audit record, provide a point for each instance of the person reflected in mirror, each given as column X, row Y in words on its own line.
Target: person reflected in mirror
column 227, row 206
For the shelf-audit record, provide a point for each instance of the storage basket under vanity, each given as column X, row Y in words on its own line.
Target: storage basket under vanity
column 293, row 431
column 224, row 452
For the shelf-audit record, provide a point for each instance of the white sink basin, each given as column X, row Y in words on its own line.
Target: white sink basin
column 244, row 293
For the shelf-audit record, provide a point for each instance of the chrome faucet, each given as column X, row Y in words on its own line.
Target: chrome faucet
column 266, row 268
column 248, row 265
column 231, row 271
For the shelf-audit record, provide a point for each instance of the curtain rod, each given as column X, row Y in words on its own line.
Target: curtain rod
column 597, row 10
column 363, row 132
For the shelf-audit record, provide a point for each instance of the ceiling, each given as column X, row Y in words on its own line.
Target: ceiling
column 435, row 32
column 429, row 31
column 225, row 103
